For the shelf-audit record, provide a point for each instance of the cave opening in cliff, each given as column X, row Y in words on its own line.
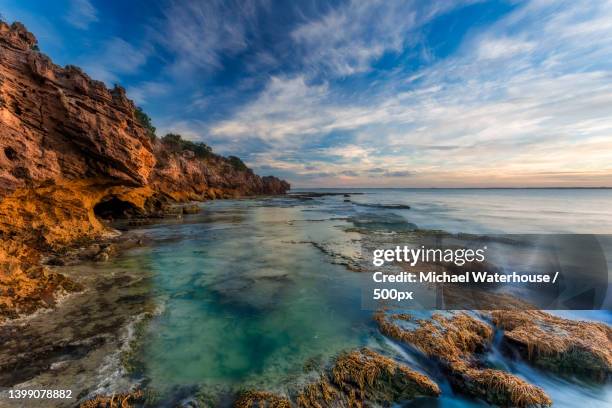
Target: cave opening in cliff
column 112, row 208
column 10, row 153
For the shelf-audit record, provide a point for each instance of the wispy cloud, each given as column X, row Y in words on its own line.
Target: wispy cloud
column 200, row 33
column 503, row 47
column 141, row 92
column 81, row 13
column 114, row 58
column 286, row 108
column 349, row 38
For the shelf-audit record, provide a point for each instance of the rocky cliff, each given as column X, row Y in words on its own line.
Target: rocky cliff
column 70, row 148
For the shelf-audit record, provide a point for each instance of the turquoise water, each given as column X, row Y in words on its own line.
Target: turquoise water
column 256, row 294
column 247, row 300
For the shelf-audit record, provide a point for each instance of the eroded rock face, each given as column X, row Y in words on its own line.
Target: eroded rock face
column 71, row 150
column 557, row 344
column 57, row 123
column 43, row 220
column 185, row 177
column 455, row 343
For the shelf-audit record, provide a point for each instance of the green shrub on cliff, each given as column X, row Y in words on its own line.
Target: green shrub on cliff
column 237, row 163
column 145, row 121
column 177, row 144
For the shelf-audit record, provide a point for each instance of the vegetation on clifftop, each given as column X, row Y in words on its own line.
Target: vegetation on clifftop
column 145, row 121
column 237, row 163
column 175, row 143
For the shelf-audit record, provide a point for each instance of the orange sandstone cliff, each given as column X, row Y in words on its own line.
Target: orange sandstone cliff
column 69, row 146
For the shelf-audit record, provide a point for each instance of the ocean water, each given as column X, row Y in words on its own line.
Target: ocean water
column 255, row 293
column 508, row 211
column 259, row 293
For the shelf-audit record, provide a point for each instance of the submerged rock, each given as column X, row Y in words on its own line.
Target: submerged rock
column 191, row 209
column 557, row 344
column 455, row 342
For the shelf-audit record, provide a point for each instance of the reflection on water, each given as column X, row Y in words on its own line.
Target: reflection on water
column 253, row 293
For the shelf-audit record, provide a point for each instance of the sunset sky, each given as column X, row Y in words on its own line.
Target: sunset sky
column 356, row 93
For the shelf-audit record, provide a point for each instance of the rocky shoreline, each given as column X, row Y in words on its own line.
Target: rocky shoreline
column 73, row 152
column 454, row 342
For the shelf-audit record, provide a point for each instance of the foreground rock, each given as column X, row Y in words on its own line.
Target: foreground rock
column 455, row 342
column 361, row 378
column 124, row 400
column 557, row 344
column 364, row 378
column 261, row 399
column 72, row 152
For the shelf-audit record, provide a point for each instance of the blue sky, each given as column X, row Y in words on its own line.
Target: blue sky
column 355, row 93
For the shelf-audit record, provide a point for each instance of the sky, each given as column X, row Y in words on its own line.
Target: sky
column 387, row 93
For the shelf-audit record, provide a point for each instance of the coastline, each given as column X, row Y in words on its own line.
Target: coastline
column 463, row 324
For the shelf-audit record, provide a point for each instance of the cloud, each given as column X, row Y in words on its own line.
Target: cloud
column 140, row 93
column 520, row 101
column 286, row 107
column 400, row 173
column 493, row 48
column 115, row 57
column 81, row 13
column 200, row 33
column 376, row 174
column 349, row 38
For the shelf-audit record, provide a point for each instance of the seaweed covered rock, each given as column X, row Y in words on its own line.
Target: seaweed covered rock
column 557, row 344
column 261, row 399
column 364, row 377
column 360, row 378
column 122, row 400
column 455, row 342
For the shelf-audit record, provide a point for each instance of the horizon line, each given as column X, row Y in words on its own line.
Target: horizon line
column 458, row 188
